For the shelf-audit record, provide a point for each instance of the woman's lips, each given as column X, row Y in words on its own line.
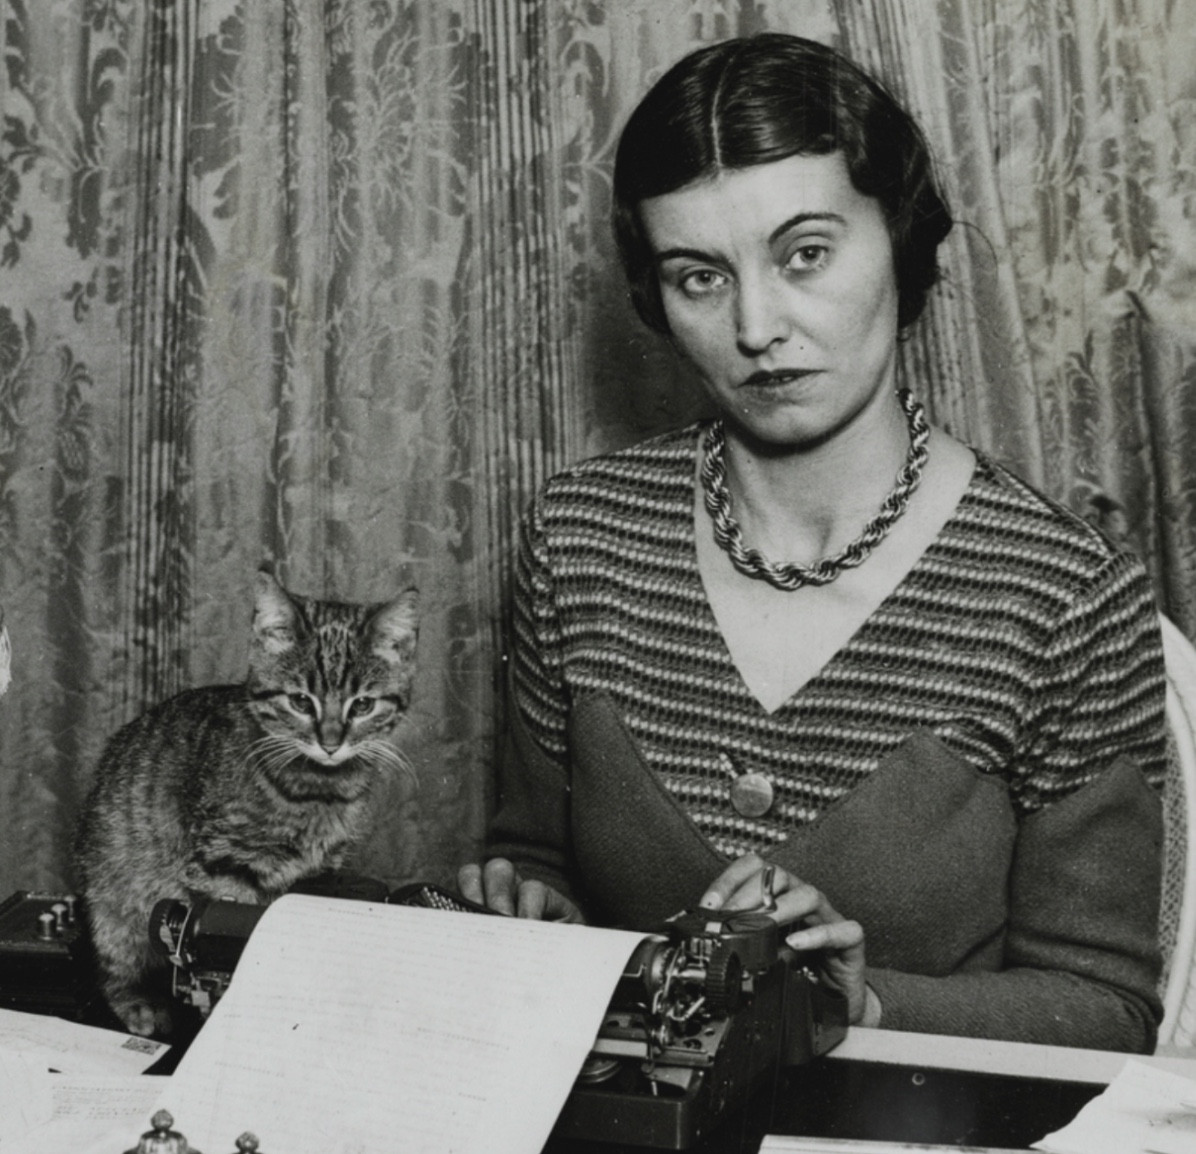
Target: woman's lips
column 775, row 377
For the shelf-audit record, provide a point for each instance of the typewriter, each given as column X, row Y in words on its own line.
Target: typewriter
column 704, row 1012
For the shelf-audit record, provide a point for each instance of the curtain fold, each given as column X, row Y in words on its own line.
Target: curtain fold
column 160, row 371
column 67, row 101
column 329, row 284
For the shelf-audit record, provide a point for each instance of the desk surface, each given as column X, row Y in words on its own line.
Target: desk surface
column 984, row 1056
column 919, row 1089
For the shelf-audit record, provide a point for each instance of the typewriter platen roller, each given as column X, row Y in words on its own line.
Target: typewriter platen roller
column 704, row 1011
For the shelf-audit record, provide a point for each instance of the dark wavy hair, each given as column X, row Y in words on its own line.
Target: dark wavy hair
column 763, row 98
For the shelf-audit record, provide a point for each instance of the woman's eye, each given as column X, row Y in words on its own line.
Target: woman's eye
column 702, row 282
column 360, row 706
column 301, row 703
column 808, row 256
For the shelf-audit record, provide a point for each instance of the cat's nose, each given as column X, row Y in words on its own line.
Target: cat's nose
column 331, row 734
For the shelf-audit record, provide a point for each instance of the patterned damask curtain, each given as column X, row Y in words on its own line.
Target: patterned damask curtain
column 329, row 283
column 1065, row 339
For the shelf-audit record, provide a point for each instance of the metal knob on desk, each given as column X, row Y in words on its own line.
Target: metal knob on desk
column 161, row 1139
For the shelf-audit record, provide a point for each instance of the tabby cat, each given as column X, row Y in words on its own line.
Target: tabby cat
column 238, row 791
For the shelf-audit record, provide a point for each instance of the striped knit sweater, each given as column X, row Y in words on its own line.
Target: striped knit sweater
column 1021, row 638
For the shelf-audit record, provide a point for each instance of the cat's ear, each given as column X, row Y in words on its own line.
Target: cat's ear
column 395, row 627
column 273, row 614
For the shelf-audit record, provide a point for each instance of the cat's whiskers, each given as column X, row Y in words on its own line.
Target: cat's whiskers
column 275, row 753
column 272, row 753
column 379, row 754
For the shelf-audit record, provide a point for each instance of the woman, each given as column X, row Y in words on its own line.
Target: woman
column 934, row 703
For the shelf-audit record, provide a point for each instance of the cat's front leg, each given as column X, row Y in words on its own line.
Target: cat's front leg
column 132, row 979
column 147, row 1015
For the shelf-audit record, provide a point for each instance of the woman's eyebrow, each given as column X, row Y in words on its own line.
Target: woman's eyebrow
column 668, row 254
column 687, row 253
column 804, row 218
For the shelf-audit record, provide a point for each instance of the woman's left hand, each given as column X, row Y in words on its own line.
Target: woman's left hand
column 811, row 922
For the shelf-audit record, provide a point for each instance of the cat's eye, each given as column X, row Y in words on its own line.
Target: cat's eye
column 301, row 703
column 360, row 706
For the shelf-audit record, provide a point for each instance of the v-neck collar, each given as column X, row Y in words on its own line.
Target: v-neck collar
column 876, row 619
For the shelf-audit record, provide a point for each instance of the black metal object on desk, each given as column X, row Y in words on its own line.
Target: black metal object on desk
column 834, row 1098
column 45, row 958
column 879, row 1102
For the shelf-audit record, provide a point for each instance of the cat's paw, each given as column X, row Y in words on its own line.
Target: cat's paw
column 145, row 1017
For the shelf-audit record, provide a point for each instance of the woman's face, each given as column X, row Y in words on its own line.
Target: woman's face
column 778, row 284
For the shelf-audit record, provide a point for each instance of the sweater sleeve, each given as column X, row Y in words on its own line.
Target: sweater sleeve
column 1081, row 955
column 1101, row 692
column 1081, row 959
column 531, row 824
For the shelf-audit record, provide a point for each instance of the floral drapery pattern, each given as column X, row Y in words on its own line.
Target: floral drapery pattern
column 1068, row 133
column 329, row 283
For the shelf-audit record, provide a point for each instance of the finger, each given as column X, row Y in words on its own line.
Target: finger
column 730, row 881
column 500, row 882
column 788, row 898
column 559, row 908
column 532, row 900
column 797, row 900
column 821, row 911
column 838, row 936
column 540, row 901
column 765, row 889
column 750, row 894
column 469, row 882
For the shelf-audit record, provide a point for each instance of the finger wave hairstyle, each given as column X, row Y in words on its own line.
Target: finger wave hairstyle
column 764, row 98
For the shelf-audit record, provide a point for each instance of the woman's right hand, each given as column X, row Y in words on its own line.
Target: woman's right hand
column 811, row 925
column 498, row 886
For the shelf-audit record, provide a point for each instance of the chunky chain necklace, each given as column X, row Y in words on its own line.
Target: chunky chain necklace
column 788, row 575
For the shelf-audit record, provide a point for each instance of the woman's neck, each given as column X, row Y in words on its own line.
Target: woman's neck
column 809, row 502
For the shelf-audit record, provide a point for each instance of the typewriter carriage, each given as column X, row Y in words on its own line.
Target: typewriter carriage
column 704, row 1010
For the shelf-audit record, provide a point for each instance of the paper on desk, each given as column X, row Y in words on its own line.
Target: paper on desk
column 351, row 1026
column 23, row 1104
column 1142, row 1111
column 42, row 1111
column 73, row 1048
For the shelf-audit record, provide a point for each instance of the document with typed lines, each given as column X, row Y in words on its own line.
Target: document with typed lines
column 351, row 1026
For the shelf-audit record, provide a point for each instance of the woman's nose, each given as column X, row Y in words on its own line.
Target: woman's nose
column 761, row 320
